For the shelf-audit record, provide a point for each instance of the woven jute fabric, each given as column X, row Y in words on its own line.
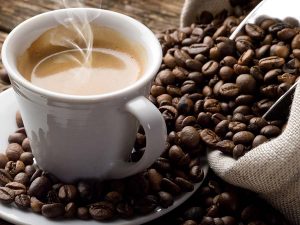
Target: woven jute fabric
column 193, row 8
column 271, row 169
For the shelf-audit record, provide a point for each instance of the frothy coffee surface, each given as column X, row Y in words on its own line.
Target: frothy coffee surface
column 113, row 64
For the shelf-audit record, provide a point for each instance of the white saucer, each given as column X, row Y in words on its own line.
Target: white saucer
column 8, row 108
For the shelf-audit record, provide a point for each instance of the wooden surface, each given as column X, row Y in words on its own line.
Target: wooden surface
column 156, row 14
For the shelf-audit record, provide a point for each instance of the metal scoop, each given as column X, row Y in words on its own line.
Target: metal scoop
column 280, row 9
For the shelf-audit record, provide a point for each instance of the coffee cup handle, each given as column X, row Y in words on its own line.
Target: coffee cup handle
column 156, row 133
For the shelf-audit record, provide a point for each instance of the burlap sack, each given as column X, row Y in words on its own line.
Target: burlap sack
column 271, row 169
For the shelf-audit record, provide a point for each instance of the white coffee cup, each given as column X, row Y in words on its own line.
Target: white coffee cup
column 76, row 137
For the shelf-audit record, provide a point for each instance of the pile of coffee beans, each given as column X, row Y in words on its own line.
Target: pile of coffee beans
column 219, row 203
column 222, row 87
column 212, row 92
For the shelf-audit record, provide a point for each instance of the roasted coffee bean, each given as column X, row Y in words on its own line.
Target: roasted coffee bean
column 244, row 99
column 14, row 151
column 18, row 188
column 193, row 213
column 212, row 105
column 124, row 210
column 16, row 138
column 102, row 210
column 254, row 31
column 26, row 158
column 176, row 153
column 29, row 170
column 165, row 199
column 146, row 204
column 70, row 210
column 38, row 172
column 53, row 210
column 5, row 177
column 225, row 146
column 6, row 195
column 204, row 119
column 237, row 126
column 209, row 137
column 13, row 168
column 196, row 174
column 271, row 62
column 170, row 186
column 196, row 49
column 270, row 131
column 164, row 99
column 238, row 151
column 166, row 77
column 19, row 120
column 256, row 123
column 210, row 68
column 39, row 187
column 155, row 179
column 222, row 128
column 185, row 105
column 26, row 145
column 83, row 213
column 162, row 164
column 22, row 178
column 3, row 160
column 67, row 193
column 184, row 184
column 296, row 42
column 189, row 137
column 229, row 90
column 22, row 201
column 258, row 140
column 113, row 197
column 243, row 137
column 246, row 83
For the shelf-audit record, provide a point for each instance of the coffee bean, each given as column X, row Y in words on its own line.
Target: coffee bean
column 196, row 49
column 29, row 170
column 6, row 195
column 296, row 42
column 193, row 213
column 184, row 184
column 14, row 151
column 67, row 193
column 53, row 210
column 246, row 83
column 228, row 202
column 36, row 205
column 162, row 164
column 270, row 131
column 26, row 145
column 210, row 68
column 166, row 77
column 238, row 151
column 22, row 201
column 243, row 137
column 229, row 90
column 13, row 168
column 70, row 210
column 209, row 137
column 155, row 179
column 271, row 62
column 113, row 197
column 196, row 174
column 26, row 158
column 254, row 31
column 176, row 153
column 39, row 187
column 124, row 210
column 189, row 137
column 5, row 177
column 3, row 160
column 83, row 213
column 16, row 138
column 165, row 199
column 258, row 140
column 146, row 204
column 185, row 105
column 212, row 105
column 22, row 178
column 19, row 120
column 18, row 188
column 237, row 127
column 170, row 186
column 225, row 146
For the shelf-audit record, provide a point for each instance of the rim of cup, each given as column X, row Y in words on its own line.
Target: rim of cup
column 152, row 50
